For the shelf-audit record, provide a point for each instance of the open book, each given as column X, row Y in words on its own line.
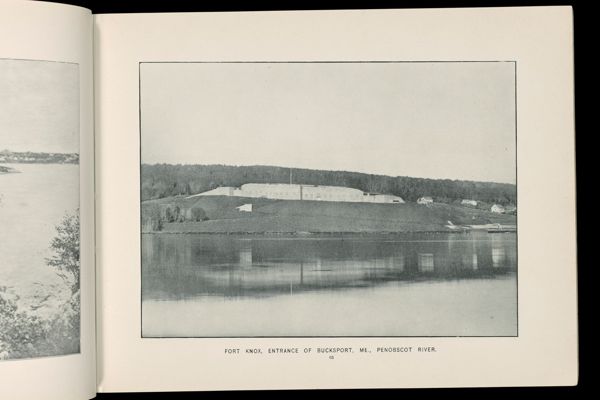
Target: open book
column 275, row 200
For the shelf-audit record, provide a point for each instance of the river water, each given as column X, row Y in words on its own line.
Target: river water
column 455, row 284
column 32, row 203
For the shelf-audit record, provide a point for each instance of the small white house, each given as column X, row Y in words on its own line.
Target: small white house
column 498, row 209
column 469, row 203
column 425, row 200
column 245, row 208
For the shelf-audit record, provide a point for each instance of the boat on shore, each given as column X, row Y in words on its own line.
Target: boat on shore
column 7, row 170
column 502, row 228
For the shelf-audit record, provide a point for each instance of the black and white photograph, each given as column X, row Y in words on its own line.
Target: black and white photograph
column 324, row 199
column 39, row 209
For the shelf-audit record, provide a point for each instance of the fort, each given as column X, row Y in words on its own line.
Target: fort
column 285, row 191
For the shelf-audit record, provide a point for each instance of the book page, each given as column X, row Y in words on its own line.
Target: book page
column 47, row 278
column 336, row 199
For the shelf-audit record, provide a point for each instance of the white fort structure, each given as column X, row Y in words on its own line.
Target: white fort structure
column 289, row 191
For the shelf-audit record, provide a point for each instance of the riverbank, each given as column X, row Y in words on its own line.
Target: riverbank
column 319, row 217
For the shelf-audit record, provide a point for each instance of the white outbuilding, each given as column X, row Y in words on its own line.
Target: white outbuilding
column 245, row 208
column 498, row 209
column 425, row 200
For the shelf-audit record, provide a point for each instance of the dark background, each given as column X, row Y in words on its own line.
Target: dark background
column 583, row 36
column 132, row 6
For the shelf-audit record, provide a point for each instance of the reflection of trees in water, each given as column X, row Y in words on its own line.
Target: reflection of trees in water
column 23, row 334
column 180, row 266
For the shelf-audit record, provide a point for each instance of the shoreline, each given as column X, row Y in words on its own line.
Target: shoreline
column 317, row 234
column 222, row 215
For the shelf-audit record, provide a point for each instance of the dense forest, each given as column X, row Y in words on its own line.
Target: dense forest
column 163, row 180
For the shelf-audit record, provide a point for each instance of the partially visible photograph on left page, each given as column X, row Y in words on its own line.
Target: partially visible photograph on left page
column 39, row 209
column 47, row 224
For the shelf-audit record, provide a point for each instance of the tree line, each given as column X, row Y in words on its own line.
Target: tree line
column 154, row 215
column 30, row 157
column 165, row 180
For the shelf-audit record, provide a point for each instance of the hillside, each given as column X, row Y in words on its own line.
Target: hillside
column 220, row 215
column 165, row 180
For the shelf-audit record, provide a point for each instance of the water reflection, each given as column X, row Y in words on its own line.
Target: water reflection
column 187, row 266
column 426, row 262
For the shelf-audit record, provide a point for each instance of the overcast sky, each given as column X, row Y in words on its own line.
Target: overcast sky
column 434, row 120
column 39, row 106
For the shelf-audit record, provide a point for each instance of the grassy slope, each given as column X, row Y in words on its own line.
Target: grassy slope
column 317, row 216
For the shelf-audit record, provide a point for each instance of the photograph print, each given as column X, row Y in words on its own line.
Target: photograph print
column 328, row 199
column 39, row 209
